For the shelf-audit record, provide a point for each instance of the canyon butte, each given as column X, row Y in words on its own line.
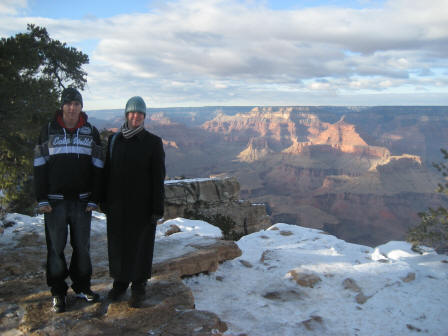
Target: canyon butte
column 360, row 173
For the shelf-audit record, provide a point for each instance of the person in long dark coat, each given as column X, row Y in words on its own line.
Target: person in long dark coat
column 133, row 202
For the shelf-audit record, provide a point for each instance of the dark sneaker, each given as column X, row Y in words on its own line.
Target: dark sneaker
column 88, row 295
column 136, row 300
column 115, row 293
column 58, row 303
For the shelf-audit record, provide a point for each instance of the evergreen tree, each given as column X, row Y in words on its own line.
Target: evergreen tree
column 433, row 228
column 34, row 69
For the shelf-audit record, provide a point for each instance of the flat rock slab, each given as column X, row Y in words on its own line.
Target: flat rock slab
column 199, row 256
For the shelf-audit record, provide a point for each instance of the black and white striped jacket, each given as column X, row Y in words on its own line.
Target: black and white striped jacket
column 68, row 165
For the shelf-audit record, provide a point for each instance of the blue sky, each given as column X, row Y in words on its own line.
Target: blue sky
column 250, row 52
column 103, row 8
column 84, row 8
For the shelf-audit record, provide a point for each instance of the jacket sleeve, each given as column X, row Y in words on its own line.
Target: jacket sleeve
column 40, row 168
column 97, row 167
column 158, row 179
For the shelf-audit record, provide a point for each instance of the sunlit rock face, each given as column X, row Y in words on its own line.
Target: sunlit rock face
column 325, row 174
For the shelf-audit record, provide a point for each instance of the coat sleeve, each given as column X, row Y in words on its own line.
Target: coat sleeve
column 97, row 167
column 40, row 168
column 158, row 179
column 105, row 176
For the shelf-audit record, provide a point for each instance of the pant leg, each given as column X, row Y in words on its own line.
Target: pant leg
column 56, row 237
column 121, row 285
column 80, row 265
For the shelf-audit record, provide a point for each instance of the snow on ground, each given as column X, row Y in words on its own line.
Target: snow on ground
column 193, row 233
column 189, row 227
column 16, row 225
column 201, row 179
column 256, row 293
column 25, row 224
column 399, row 292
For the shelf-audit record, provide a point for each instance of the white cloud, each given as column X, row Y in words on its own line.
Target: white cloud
column 213, row 50
column 12, row 7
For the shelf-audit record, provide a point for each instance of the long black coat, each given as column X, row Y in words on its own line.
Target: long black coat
column 133, row 195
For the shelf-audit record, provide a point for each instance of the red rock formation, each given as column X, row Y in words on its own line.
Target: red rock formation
column 290, row 132
column 256, row 149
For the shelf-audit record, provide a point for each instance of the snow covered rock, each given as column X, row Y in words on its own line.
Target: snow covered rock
column 363, row 291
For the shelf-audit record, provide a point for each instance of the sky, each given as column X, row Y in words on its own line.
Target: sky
column 250, row 52
column 357, row 290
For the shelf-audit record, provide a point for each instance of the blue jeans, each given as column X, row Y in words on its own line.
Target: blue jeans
column 68, row 213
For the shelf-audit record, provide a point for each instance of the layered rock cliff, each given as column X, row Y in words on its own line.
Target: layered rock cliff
column 212, row 197
column 324, row 174
column 257, row 149
column 266, row 130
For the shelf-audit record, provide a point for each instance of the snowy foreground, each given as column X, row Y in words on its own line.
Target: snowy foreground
column 347, row 289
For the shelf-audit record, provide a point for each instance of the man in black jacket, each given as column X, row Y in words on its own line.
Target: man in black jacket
column 68, row 163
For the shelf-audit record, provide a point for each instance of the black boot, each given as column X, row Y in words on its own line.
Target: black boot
column 118, row 290
column 58, row 302
column 138, row 293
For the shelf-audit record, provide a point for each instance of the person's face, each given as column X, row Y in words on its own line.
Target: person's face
column 71, row 112
column 135, row 119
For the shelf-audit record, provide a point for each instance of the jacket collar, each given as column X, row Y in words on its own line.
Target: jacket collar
column 140, row 135
column 81, row 122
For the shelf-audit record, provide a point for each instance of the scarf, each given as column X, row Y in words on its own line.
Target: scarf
column 129, row 133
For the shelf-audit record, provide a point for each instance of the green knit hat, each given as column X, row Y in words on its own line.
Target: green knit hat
column 135, row 104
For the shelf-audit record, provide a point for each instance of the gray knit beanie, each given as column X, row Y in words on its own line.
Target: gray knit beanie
column 135, row 104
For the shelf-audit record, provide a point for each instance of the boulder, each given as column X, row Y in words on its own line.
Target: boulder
column 304, row 279
column 210, row 197
column 198, row 258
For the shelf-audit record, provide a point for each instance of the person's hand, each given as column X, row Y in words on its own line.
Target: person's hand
column 45, row 209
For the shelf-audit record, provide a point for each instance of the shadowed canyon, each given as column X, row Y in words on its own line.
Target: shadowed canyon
column 360, row 173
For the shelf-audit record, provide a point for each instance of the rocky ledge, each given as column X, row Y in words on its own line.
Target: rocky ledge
column 210, row 198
